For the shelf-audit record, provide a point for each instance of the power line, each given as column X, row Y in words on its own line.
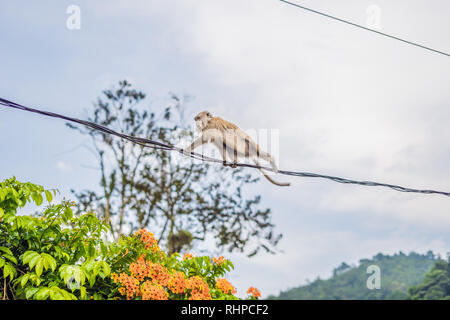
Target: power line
column 365, row 28
column 163, row 146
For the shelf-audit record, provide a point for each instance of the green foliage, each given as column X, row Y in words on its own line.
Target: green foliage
column 41, row 255
column 435, row 285
column 398, row 273
column 58, row 256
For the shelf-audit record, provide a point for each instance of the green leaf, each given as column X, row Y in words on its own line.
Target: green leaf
column 57, row 293
column 10, row 257
column 83, row 292
column 67, row 295
column 72, row 273
column 35, row 279
column 30, row 292
column 39, row 267
column 3, row 193
column 48, row 195
column 37, row 198
column 91, row 249
column 42, row 294
column 6, row 250
column 28, row 256
column 98, row 296
column 9, row 271
column 106, row 268
column 34, row 260
column 91, row 280
column 103, row 249
column 68, row 213
column 24, row 279
column 49, row 260
column 2, row 213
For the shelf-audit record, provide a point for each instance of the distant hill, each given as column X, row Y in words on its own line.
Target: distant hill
column 398, row 273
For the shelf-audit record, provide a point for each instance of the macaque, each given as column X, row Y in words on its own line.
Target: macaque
column 231, row 141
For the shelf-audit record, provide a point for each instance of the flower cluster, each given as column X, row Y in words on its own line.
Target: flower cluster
column 130, row 285
column 225, row 286
column 188, row 256
column 153, row 291
column 177, row 283
column 220, row 260
column 252, row 291
column 140, row 270
column 158, row 273
column 156, row 276
column 148, row 239
column 198, row 288
column 157, row 283
column 153, row 277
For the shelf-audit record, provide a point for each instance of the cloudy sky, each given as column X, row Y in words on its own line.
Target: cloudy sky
column 347, row 102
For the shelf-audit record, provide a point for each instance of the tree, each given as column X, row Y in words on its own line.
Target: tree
column 435, row 285
column 341, row 269
column 53, row 255
column 187, row 201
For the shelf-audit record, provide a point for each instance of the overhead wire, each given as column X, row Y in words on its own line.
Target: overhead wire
column 163, row 146
column 365, row 28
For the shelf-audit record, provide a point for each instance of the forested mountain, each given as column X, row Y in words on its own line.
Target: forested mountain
column 398, row 273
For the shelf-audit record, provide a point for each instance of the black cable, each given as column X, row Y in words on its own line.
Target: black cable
column 365, row 28
column 158, row 145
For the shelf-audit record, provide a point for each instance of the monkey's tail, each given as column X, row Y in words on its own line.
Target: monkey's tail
column 281, row 184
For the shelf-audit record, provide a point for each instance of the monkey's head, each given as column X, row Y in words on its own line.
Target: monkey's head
column 202, row 119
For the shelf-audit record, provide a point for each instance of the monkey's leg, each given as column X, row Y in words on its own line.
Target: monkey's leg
column 227, row 146
column 227, row 164
column 235, row 153
column 197, row 143
column 234, row 163
column 224, row 158
column 224, row 154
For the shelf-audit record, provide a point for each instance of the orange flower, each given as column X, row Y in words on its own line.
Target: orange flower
column 158, row 273
column 130, row 285
column 148, row 239
column 188, row 256
column 220, row 260
column 139, row 270
column 225, row 286
column 141, row 258
column 177, row 283
column 115, row 277
column 152, row 291
column 254, row 292
column 199, row 289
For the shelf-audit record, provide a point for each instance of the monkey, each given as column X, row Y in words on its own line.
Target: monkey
column 231, row 141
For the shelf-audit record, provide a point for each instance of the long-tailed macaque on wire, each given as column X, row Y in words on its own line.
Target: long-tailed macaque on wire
column 231, row 141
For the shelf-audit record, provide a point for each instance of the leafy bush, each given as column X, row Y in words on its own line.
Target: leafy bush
column 55, row 255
